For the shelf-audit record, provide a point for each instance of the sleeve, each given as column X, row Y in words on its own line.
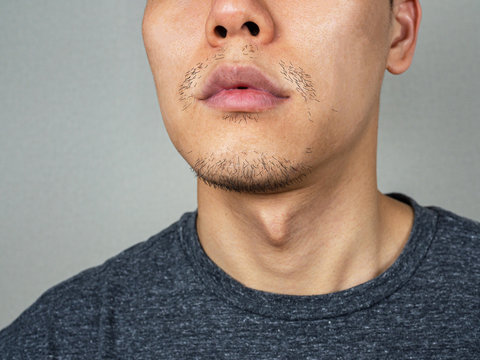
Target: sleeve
column 62, row 323
column 27, row 337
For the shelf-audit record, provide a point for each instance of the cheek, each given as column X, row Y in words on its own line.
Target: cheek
column 346, row 63
column 169, row 41
column 348, row 54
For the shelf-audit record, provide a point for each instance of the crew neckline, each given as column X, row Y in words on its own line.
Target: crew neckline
column 311, row 307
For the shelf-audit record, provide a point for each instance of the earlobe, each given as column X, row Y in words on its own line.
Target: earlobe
column 406, row 19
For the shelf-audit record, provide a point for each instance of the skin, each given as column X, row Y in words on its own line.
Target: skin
column 287, row 198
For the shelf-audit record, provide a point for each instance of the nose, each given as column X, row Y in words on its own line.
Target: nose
column 239, row 18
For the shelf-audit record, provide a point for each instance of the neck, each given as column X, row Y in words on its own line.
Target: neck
column 301, row 244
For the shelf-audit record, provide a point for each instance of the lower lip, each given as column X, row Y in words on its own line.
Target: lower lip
column 248, row 100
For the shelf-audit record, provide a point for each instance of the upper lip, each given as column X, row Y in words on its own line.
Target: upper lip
column 226, row 77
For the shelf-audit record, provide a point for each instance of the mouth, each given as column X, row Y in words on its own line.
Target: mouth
column 241, row 89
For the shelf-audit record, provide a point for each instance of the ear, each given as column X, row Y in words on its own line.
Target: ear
column 406, row 16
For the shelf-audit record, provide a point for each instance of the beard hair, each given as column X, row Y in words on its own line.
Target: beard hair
column 261, row 174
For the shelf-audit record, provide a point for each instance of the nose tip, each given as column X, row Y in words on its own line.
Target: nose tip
column 245, row 18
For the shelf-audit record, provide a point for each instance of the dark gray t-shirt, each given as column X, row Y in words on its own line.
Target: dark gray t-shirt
column 165, row 299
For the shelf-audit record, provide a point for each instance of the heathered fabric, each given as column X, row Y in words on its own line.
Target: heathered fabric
column 165, row 299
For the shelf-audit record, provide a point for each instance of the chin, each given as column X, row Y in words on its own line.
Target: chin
column 260, row 174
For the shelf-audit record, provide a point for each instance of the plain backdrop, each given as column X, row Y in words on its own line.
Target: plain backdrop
column 87, row 169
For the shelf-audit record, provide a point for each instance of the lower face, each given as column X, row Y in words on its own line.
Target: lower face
column 329, row 56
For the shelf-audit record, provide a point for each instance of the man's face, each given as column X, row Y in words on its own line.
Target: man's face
column 310, row 72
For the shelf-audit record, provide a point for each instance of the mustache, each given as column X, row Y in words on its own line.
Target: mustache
column 296, row 77
column 192, row 77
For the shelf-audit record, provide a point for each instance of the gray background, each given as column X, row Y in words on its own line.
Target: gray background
column 86, row 168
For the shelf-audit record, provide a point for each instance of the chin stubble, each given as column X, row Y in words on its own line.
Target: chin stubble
column 260, row 174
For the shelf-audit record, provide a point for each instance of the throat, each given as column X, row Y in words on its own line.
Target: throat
column 298, row 246
column 277, row 230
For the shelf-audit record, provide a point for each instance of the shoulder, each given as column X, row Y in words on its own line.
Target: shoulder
column 455, row 248
column 70, row 314
column 457, row 233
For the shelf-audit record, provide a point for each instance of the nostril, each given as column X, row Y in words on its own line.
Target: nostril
column 252, row 27
column 221, row 31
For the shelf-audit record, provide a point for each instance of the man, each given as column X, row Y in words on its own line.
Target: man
column 293, row 253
